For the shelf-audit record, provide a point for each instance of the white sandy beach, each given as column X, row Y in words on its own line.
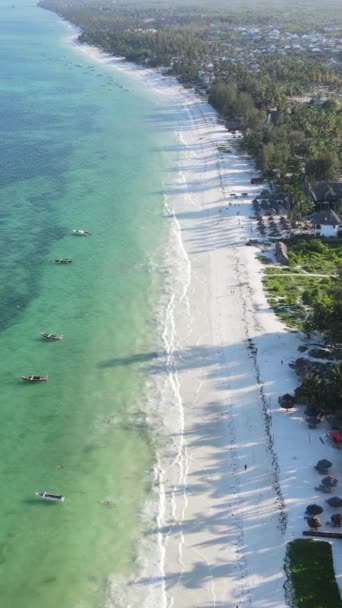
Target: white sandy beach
column 220, row 532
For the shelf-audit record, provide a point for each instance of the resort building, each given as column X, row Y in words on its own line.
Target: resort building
column 327, row 223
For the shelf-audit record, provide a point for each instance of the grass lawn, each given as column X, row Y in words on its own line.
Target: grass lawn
column 291, row 291
column 312, row 254
column 312, row 576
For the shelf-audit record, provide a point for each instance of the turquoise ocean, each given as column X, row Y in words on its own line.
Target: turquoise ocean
column 79, row 148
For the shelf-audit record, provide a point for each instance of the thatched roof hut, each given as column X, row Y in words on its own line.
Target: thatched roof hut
column 329, row 481
column 334, row 502
column 286, row 401
column 323, row 465
column 314, row 522
column 314, row 509
column 336, row 519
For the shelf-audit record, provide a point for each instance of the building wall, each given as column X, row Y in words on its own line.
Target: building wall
column 326, row 230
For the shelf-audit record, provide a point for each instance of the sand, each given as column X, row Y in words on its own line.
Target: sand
column 234, row 472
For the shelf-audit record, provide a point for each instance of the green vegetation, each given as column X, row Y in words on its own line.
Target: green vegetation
column 248, row 75
column 305, row 137
column 315, row 255
column 304, row 301
column 307, row 294
column 322, row 390
column 312, row 576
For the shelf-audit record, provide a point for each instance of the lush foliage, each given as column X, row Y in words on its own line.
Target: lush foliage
column 187, row 38
column 303, row 138
column 322, row 392
column 312, row 574
column 308, row 293
column 327, row 313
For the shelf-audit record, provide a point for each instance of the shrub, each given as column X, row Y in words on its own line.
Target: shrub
column 312, row 575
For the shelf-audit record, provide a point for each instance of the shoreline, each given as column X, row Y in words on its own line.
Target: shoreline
column 224, row 349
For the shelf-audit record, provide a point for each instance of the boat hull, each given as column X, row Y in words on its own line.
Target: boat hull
column 51, row 336
column 63, row 261
column 48, row 496
column 81, row 233
column 34, row 378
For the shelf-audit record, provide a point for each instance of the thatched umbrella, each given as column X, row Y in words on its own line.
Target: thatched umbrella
column 336, row 519
column 314, row 522
column 330, row 481
column 323, row 465
column 335, row 501
column 286, row 401
column 314, row 510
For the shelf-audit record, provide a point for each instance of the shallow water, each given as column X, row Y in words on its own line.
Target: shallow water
column 77, row 151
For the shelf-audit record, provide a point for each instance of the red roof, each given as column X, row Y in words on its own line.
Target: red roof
column 336, row 437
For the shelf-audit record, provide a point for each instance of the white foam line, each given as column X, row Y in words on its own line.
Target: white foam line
column 187, row 193
column 170, row 339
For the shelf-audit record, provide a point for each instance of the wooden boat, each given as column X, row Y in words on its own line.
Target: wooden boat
column 47, row 496
column 51, row 336
column 34, row 378
column 63, row 261
column 81, row 233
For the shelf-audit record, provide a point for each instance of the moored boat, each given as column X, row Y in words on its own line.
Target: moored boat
column 81, row 232
column 34, row 378
column 51, row 336
column 48, row 496
column 63, row 261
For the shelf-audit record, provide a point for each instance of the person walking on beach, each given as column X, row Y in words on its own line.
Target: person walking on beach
column 245, row 467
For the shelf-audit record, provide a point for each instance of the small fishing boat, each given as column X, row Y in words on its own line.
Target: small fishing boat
column 34, row 378
column 63, row 261
column 81, row 233
column 47, row 496
column 51, row 336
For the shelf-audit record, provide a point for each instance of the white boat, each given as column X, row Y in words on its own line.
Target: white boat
column 35, row 378
column 51, row 336
column 47, row 496
column 81, row 233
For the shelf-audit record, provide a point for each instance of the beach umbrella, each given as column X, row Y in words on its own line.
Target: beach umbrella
column 314, row 522
column 314, row 510
column 323, row 465
column 336, row 519
column 286, row 401
column 329, row 481
column 335, row 501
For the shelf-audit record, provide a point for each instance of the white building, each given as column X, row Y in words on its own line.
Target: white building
column 327, row 223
